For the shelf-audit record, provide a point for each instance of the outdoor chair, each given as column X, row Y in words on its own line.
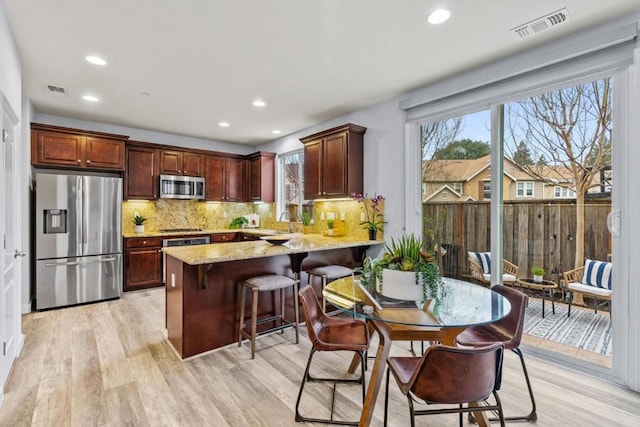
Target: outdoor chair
column 480, row 268
column 447, row 375
column 593, row 280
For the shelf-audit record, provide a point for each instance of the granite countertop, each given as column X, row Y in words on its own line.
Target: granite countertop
column 258, row 231
column 221, row 252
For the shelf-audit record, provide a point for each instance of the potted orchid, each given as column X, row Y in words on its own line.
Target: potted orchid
column 373, row 216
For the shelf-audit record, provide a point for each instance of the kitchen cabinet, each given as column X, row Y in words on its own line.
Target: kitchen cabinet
column 224, row 178
column 247, row 237
column 261, row 177
column 142, row 263
column 223, row 237
column 174, row 162
column 55, row 146
column 333, row 162
column 142, row 171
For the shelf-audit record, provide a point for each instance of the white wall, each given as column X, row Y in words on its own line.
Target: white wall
column 10, row 71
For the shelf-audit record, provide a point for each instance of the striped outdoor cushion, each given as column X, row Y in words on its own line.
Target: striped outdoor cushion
column 484, row 260
column 597, row 273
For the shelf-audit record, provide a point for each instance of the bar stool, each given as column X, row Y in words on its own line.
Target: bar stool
column 270, row 282
column 328, row 273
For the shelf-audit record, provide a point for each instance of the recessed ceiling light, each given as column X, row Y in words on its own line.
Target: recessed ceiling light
column 259, row 103
column 96, row 60
column 90, row 98
column 275, row 131
column 223, row 124
column 439, row 16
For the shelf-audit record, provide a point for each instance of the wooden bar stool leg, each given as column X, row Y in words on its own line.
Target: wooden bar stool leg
column 241, row 322
column 254, row 322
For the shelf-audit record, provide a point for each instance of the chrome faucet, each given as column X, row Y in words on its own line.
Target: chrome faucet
column 288, row 215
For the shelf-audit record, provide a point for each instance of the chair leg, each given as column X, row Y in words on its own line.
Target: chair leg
column 241, row 322
column 324, row 301
column 282, row 320
column 570, row 294
column 296, row 311
column 532, row 416
column 308, row 377
column 499, row 405
column 386, row 399
column 412, row 411
column 254, row 321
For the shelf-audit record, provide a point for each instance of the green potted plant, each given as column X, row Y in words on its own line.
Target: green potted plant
column 410, row 273
column 306, row 222
column 538, row 272
column 138, row 221
column 330, row 230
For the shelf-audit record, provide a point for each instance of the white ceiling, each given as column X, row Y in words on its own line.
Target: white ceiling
column 205, row 61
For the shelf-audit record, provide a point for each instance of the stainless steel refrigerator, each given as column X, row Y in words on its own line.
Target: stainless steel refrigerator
column 78, row 239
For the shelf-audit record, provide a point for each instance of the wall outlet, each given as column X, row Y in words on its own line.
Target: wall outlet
column 331, row 215
column 361, row 216
column 224, row 214
column 342, row 215
column 321, row 216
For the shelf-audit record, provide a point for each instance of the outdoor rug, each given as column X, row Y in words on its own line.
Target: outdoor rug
column 584, row 329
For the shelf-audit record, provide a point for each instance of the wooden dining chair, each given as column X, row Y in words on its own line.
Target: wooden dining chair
column 447, row 375
column 331, row 334
column 508, row 332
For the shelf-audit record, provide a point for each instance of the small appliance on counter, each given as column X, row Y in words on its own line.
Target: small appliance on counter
column 253, row 220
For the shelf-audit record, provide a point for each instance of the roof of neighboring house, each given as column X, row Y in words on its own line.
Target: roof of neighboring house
column 444, row 189
column 463, row 170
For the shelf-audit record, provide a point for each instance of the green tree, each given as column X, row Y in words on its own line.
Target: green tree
column 522, row 155
column 462, row 149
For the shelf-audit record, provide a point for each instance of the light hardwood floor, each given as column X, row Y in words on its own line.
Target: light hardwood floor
column 109, row 364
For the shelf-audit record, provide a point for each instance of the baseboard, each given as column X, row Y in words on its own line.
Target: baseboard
column 26, row 308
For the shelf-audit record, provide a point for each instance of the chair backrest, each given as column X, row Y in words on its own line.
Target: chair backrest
column 312, row 312
column 450, row 375
column 511, row 326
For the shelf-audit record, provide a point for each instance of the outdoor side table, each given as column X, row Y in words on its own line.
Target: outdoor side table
column 544, row 286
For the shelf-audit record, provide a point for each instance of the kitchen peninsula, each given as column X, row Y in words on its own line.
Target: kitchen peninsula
column 202, row 282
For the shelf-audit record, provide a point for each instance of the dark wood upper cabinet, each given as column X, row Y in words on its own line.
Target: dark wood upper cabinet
column 55, row 146
column 333, row 162
column 141, row 178
column 261, row 177
column 180, row 163
column 223, row 178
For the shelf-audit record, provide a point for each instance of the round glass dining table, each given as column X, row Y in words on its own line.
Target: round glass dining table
column 460, row 305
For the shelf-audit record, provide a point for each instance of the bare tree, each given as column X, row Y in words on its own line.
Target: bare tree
column 436, row 136
column 571, row 130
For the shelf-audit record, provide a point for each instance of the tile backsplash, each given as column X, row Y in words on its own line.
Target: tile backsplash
column 167, row 213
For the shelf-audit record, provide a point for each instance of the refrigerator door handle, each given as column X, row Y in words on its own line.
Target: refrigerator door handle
column 58, row 264
column 85, row 214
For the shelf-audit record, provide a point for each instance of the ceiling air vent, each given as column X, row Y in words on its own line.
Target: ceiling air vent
column 55, row 90
column 541, row 24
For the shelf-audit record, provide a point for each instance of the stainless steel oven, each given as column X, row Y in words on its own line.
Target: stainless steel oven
column 196, row 240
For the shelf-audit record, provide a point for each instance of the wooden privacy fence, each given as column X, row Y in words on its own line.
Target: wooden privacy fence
column 535, row 233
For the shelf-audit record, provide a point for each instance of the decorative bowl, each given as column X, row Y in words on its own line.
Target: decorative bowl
column 276, row 240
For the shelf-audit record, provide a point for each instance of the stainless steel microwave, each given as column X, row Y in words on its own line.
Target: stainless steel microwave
column 181, row 187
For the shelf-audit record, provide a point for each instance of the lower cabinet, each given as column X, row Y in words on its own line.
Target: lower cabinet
column 143, row 263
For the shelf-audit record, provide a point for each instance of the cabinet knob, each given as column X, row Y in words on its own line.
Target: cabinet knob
column 179, row 171
column 144, row 242
column 79, row 161
column 88, row 161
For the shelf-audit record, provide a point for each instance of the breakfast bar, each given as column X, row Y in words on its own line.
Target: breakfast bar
column 202, row 282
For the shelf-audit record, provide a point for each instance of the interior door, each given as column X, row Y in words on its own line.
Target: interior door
column 10, row 261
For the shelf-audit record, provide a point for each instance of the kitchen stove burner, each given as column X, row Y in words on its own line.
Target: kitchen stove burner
column 178, row 230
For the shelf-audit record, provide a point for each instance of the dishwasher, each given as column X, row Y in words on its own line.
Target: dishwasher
column 200, row 240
